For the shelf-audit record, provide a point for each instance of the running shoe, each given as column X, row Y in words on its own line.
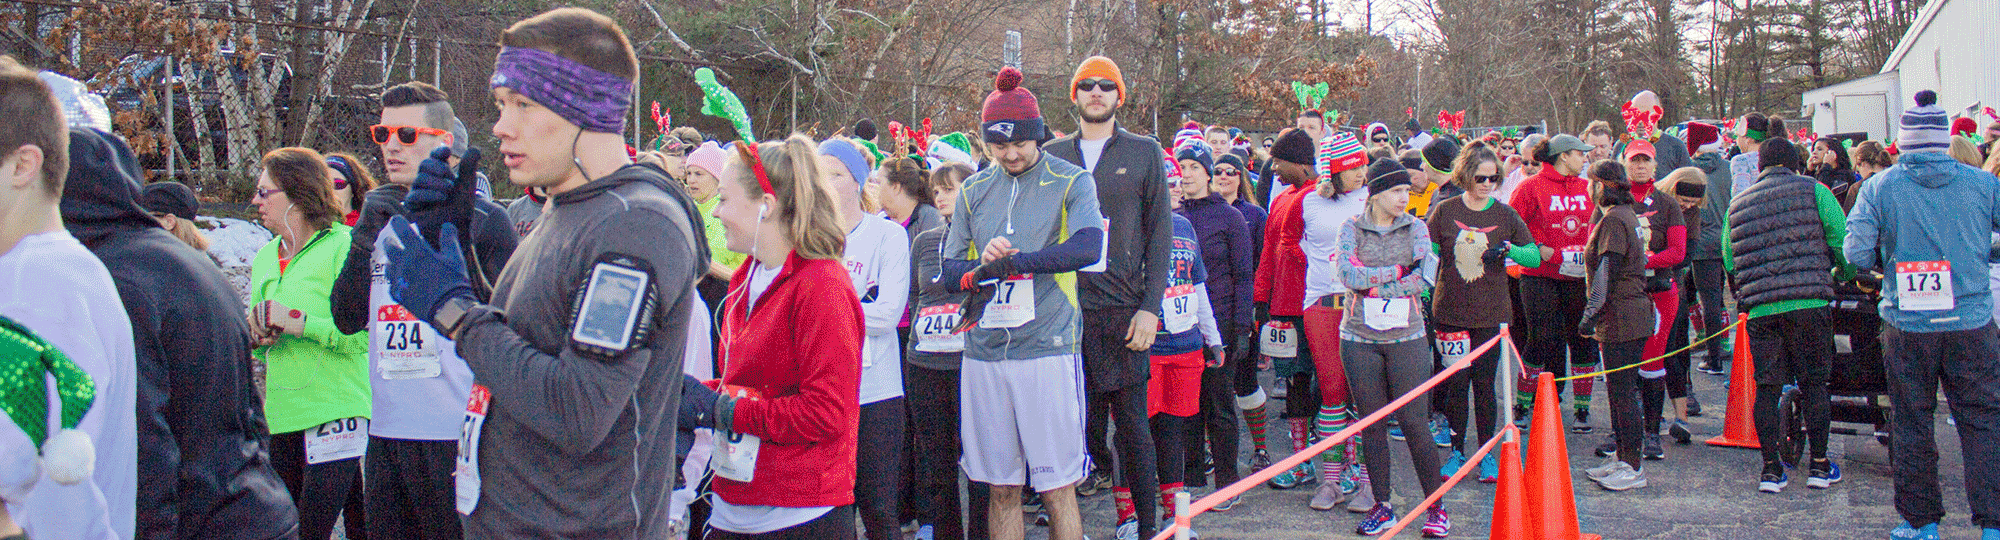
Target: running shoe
column 1363, row 500
column 1823, row 475
column 1328, row 496
column 1377, row 521
column 1622, row 478
column 1651, row 449
column 1582, row 424
column 1127, row 529
column 1227, row 504
column 1282, row 389
column 1489, row 469
column 1521, row 416
column 1396, row 432
column 1709, row 367
column 1259, row 460
column 1452, row 464
column 1773, row 480
column 1680, row 432
column 1608, row 448
column 1297, row 476
column 1927, row 532
column 1602, row 469
column 1098, row 481
column 1438, row 523
column 1694, row 405
column 1989, row 534
column 1207, row 460
column 926, row 533
column 1441, row 433
column 1031, row 502
column 1042, row 518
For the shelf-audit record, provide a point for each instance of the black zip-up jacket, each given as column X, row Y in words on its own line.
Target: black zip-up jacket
column 1132, row 193
column 493, row 241
column 204, row 449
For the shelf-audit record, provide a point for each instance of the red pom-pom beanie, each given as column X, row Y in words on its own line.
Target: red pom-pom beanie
column 1011, row 112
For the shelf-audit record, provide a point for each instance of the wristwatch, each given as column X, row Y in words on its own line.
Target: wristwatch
column 452, row 314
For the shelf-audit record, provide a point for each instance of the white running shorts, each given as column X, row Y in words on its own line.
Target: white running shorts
column 1022, row 420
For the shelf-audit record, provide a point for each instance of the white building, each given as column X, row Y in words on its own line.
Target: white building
column 1947, row 49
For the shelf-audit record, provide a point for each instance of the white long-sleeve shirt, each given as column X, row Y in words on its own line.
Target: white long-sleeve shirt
column 878, row 263
column 1324, row 217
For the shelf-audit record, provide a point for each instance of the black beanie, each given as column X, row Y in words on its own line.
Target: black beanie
column 1295, row 146
column 170, row 198
column 1778, row 152
column 1233, row 160
column 1440, row 154
column 864, row 130
column 1385, row 174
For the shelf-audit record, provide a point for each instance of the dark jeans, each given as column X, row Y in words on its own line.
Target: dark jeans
column 1964, row 361
column 321, row 491
column 1707, row 278
column 837, row 524
column 1477, row 381
column 1794, row 347
column 1377, row 374
column 1215, row 428
column 878, row 470
column 1137, row 468
column 1554, row 308
column 933, row 408
column 1622, row 389
column 410, row 490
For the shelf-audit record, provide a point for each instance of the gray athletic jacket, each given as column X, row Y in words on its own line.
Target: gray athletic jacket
column 1042, row 207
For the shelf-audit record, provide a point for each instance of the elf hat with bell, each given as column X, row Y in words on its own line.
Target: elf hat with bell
column 26, row 363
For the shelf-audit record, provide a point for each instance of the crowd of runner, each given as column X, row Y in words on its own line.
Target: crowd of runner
column 951, row 336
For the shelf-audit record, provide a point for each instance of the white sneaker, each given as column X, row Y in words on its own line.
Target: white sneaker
column 1328, row 496
column 1622, row 478
column 1602, row 469
column 1363, row 501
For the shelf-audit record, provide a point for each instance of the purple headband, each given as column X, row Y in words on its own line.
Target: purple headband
column 591, row 99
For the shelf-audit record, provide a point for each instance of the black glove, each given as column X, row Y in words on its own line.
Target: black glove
column 1262, row 313
column 697, row 403
column 442, row 195
column 974, row 307
column 1000, row 268
column 1241, row 349
column 375, row 213
column 1494, row 254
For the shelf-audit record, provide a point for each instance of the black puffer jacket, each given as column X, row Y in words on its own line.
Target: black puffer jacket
column 204, row 458
column 1778, row 241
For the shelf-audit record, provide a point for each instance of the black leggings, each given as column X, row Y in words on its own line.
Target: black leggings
column 1554, row 308
column 1794, row 347
column 1476, row 380
column 878, row 472
column 1707, row 278
column 1622, row 389
column 1376, row 374
column 1170, row 434
column 933, row 407
column 837, row 524
column 322, row 491
column 1137, row 470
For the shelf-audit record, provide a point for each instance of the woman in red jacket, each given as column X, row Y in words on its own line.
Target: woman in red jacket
column 789, row 411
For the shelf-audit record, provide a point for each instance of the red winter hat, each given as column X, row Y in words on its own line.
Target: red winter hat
column 1964, row 125
column 1011, row 112
column 1703, row 138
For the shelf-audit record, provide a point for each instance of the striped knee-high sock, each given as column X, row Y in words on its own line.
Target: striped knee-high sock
column 1331, row 420
column 1524, row 393
column 1301, row 431
column 1581, row 388
column 1253, row 415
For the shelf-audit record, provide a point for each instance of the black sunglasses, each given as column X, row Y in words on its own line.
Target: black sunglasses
column 1228, row 172
column 1101, row 85
column 1507, row 147
column 1381, row 139
column 1492, row 179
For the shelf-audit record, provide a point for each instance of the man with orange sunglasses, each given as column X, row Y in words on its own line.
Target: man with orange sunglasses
column 420, row 384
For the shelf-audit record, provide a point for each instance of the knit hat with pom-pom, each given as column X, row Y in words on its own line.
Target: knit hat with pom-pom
column 1011, row 113
column 1924, row 127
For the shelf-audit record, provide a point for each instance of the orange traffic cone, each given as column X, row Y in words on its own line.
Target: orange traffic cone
column 1739, row 428
column 1551, row 502
column 1510, row 498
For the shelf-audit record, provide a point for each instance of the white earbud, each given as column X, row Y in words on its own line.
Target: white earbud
column 763, row 209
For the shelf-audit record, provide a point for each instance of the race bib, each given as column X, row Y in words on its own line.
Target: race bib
column 735, row 455
column 1924, row 286
column 1281, row 340
column 1013, row 305
column 465, row 476
column 337, row 440
column 406, row 348
column 934, row 333
column 1454, row 345
column 1179, row 309
column 1572, row 262
column 1385, row 314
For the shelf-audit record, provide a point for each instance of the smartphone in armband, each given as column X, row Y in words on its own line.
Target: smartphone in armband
column 614, row 309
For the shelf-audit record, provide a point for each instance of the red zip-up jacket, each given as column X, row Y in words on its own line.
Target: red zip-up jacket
column 1283, row 267
column 1557, row 210
column 800, row 350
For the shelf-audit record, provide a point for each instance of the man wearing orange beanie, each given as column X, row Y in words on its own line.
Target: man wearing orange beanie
column 1121, row 301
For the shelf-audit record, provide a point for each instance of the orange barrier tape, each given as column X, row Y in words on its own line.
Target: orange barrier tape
column 1471, row 462
column 1241, row 486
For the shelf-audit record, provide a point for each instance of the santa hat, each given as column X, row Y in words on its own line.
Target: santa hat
column 67, row 455
column 1703, row 138
column 951, row 148
column 1011, row 113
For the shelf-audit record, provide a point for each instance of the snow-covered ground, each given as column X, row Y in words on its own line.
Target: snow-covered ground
column 234, row 244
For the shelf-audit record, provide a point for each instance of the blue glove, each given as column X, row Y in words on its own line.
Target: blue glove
column 441, row 195
column 697, row 403
column 421, row 278
column 434, row 182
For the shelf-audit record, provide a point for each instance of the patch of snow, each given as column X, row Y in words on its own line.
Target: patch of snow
column 234, row 244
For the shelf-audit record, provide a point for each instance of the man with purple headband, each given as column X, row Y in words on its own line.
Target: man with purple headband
column 576, row 360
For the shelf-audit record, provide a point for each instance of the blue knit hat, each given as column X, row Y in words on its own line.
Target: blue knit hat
column 1925, row 127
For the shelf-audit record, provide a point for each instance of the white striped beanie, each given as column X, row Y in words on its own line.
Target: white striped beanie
column 1925, row 127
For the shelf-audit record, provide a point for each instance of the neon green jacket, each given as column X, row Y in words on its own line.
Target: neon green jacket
column 322, row 375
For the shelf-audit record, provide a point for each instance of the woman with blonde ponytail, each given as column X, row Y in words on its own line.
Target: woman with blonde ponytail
column 791, row 355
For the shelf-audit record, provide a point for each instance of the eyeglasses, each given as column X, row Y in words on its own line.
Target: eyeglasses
column 406, row 134
column 1492, row 179
column 1228, row 172
column 1100, row 85
column 267, row 193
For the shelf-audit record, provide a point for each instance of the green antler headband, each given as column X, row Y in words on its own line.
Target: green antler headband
column 1310, row 96
column 717, row 100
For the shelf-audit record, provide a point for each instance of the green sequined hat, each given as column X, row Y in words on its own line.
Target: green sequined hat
column 26, row 363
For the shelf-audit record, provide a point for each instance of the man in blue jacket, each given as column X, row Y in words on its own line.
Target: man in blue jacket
column 1927, row 224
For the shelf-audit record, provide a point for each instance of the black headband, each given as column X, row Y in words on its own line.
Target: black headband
column 1689, row 189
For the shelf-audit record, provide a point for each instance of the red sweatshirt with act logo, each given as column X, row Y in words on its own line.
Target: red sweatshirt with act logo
column 1557, row 210
column 1281, row 279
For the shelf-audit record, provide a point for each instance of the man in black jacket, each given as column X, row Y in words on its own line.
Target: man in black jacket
column 1129, row 286
column 204, row 457
column 419, row 383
